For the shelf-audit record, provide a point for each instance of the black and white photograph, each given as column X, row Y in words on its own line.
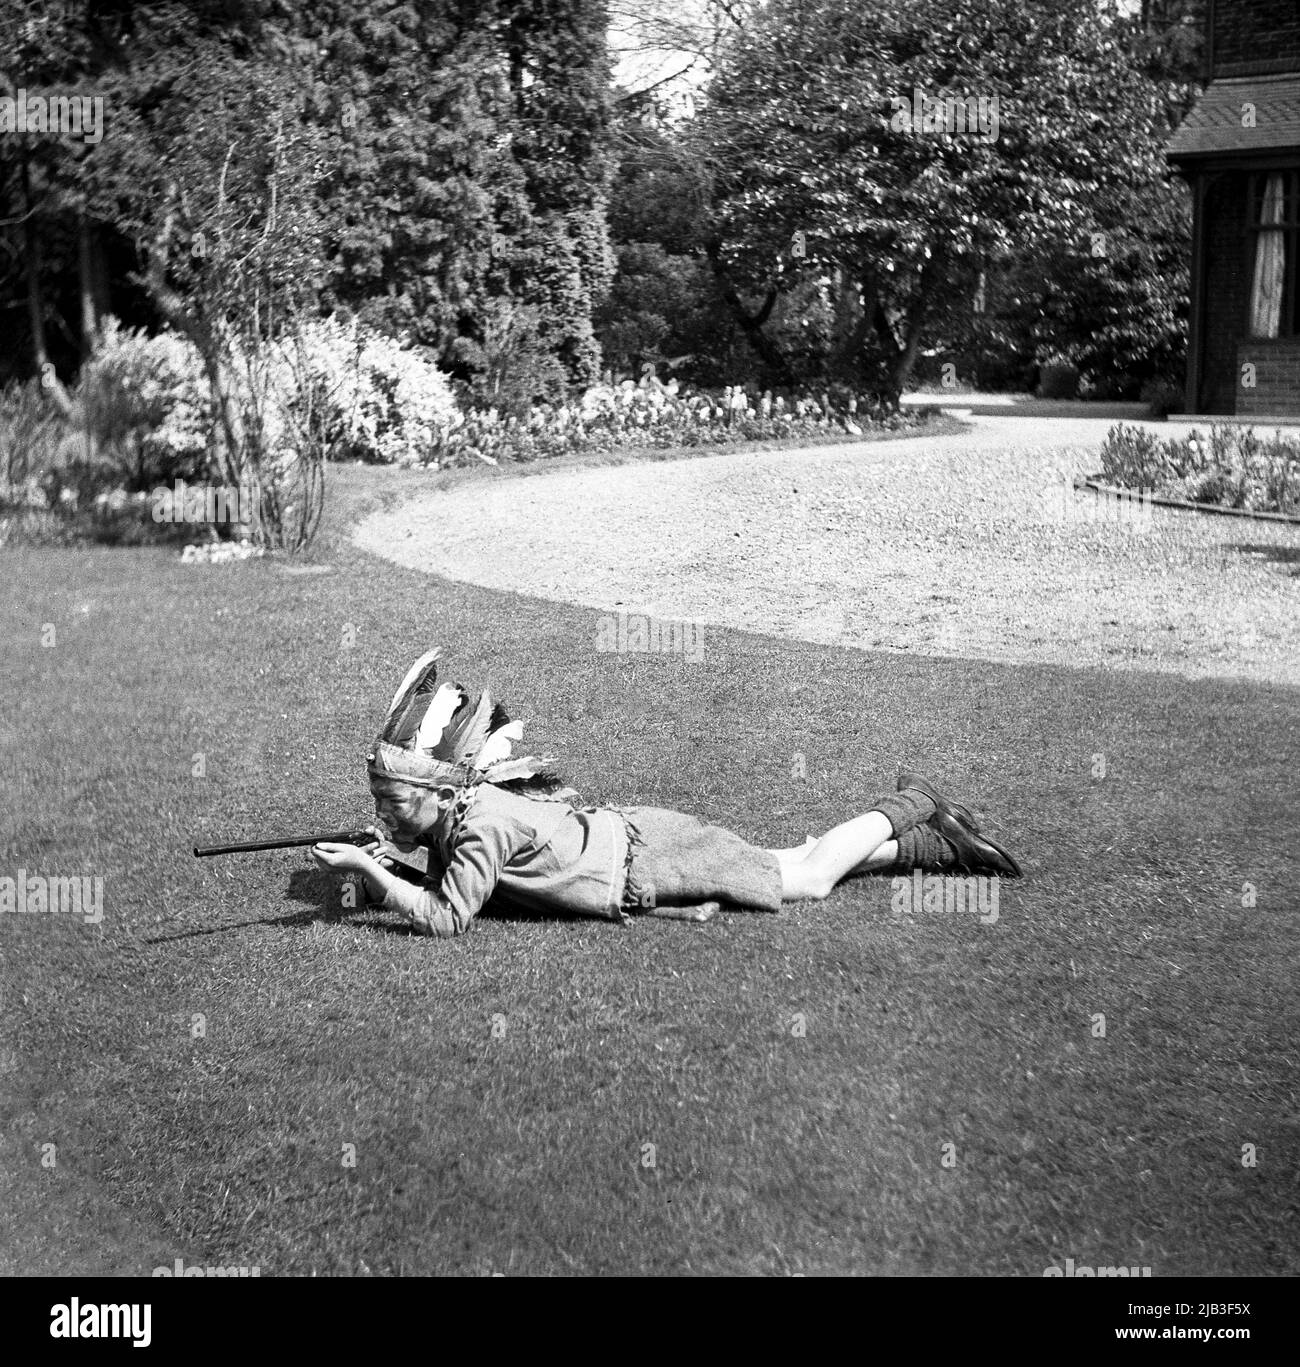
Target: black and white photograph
column 649, row 640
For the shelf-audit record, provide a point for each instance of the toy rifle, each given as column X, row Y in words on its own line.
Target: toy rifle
column 288, row 842
column 411, row 872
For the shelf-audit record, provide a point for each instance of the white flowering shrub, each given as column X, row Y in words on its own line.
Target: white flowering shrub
column 148, row 403
column 377, row 398
column 416, row 402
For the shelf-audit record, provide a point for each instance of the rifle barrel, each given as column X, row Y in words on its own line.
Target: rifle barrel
column 289, row 842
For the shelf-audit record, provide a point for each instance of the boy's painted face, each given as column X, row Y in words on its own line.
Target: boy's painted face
column 407, row 811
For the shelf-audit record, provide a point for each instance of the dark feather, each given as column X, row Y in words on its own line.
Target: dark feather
column 542, row 783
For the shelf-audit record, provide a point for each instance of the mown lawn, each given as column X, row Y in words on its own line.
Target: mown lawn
column 523, row 1150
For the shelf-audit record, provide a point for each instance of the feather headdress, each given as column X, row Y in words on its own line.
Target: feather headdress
column 433, row 737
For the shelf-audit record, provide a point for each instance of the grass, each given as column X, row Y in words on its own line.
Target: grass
column 523, row 1152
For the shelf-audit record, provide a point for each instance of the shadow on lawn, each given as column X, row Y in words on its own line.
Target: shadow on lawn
column 1280, row 555
column 318, row 894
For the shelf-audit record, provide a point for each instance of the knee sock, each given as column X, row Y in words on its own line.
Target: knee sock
column 905, row 810
column 924, row 848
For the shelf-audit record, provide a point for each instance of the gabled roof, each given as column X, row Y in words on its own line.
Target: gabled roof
column 1215, row 124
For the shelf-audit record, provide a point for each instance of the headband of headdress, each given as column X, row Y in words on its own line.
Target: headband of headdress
column 433, row 738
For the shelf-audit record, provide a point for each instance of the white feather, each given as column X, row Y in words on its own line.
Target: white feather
column 444, row 703
column 499, row 744
column 411, row 675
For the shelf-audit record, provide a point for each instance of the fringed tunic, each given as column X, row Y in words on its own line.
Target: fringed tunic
column 542, row 855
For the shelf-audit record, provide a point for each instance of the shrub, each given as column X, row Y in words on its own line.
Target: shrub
column 53, row 472
column 518, row 366
column 143, row 416
column 147, row 400
column 1131, row 456
column 1059, row 379
column 997, row 368
column 146, row 406
column 33, row 434
column 1163, row 397
column 414, row 402
column 379, row 400
column 665, row 301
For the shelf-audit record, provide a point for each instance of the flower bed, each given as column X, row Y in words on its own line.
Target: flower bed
column 655, row 415
column 1232, row 467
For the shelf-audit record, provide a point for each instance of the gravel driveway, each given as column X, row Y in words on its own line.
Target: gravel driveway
column 967, row 545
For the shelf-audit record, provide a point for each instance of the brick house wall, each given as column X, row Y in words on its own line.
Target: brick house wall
column 1255, row 35
column 1277, row 378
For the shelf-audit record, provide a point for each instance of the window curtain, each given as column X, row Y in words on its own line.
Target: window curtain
column 1270, row 264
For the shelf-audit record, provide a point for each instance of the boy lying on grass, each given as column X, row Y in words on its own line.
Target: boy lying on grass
column 443, row 777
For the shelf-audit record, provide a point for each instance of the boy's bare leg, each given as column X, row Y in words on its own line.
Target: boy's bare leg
column 893, row 832
column 853, row 846
column 882, row 858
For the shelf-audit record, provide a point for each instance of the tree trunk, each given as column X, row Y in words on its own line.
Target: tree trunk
column 32, row 263
column 855, row 307
column 88, row 283
column 50, row 381
column 927, row 286
column 902, row 371
column 776, row 367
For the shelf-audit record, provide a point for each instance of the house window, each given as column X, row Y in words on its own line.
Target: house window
column 1275, row 205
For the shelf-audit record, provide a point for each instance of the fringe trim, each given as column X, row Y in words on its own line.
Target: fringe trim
column 449, row 826
column 630, row 903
